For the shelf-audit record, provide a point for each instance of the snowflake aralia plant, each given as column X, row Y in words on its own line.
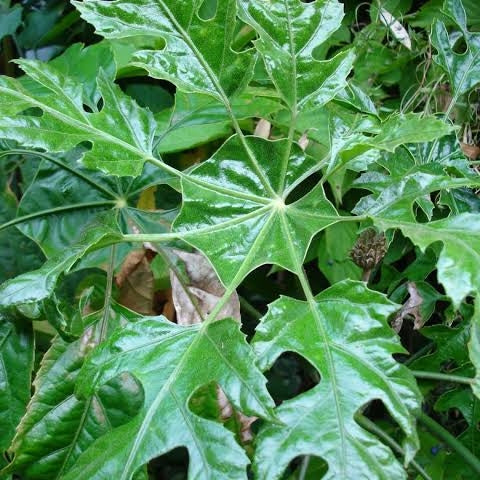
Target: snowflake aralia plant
column 119, row 387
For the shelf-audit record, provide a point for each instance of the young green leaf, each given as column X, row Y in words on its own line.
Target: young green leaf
column 334, row 333
column 290, row 31
column 166, row 421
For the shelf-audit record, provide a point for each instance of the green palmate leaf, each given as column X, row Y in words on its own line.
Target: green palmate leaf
column 402, row 182
column 461, row 68
column 197, row 57
column 16, row 363
column 58, row 426
column 355, row 141
column 343, row 333
column 38, row 285
column 197, row 119
column 459, row 260
column 166, row 421
column 232, row 214
column 290, row 31
column 121, row 134
column 64, row 195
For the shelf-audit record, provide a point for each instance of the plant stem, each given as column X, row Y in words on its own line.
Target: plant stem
column 150, row 237
column 373, row 428
column 442, row 434
column 420, row 353
column 249, row 308
column 442, row 377
column 51, row 211
column 108, row 296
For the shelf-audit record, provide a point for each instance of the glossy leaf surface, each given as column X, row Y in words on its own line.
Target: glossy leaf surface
column 197, row 119
column 38, row 285
column 333, row 332
column 233, row 215
column 289, row 33
column 461, row 68
column 166, row 421
column 197, row 57
column 70, row 195
column 121, row 134
column 458, row 263
column 58, row 426
column 16, row 364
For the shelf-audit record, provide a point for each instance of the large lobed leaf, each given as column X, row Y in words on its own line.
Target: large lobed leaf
column 197, row 56
column 461, row 68
column 231, row 211
column 289, row 32
column 121, row 134
column 459, row 259
column 171, row 362
column 344, row 334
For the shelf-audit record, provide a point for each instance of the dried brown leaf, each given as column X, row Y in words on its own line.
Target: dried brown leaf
column 411, row 308
column 136, row 283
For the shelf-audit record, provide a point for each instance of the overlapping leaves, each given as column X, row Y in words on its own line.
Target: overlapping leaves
column 71, row 424
column 237, row 210
column 461, row 68
column 232, row 213
column 38, row 285
column 165, row 358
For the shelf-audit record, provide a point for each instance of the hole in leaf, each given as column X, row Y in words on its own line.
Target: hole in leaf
column 100, row 104
column 87, row 108
column 149, row 92
column 303, row 188
column 172, row 465
column 460, row 46
column 208, row 9
column 204, row 402
column 32, row 112
column 124, row 390
column 306, row 466
column 290, row 376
